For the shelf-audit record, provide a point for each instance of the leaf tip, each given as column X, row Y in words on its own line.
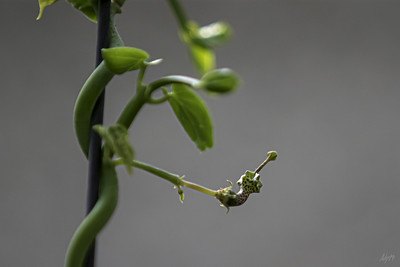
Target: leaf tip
column 40, row 15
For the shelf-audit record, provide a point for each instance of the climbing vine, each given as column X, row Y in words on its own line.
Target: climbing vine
column 180, row 92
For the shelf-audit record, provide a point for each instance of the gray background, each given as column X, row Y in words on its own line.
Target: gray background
column 320, row 86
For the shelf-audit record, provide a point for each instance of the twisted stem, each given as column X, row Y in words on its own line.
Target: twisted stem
column 96, row 219
column 90, row 92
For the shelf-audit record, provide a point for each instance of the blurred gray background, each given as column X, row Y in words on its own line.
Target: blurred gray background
column 320, row 86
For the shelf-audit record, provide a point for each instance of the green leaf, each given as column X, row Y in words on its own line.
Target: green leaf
column 87, row 7
column 203, row 58
column 123, row 59
column 116, row 139
column 193, row 115
column 219, row 81
column 42, row 6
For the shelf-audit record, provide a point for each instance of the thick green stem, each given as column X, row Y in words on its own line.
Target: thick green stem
column 132, row 108
column 140, row 77
column 175, row 179
column 86, row 101
column 136, row 103
column 96, row 219
column 108, row 194
column 89, row 94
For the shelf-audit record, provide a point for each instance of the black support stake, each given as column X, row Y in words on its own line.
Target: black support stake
column 103, row 26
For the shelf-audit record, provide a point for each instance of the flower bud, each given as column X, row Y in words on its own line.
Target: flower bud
column 219, row 81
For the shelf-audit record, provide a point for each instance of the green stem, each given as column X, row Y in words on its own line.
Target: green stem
column 170, row 177
column 160, row 100
column 157, row 101
column 143, row 94
column 86, row 101
column 108, row 194
column 115, row 38
column 140, row 77
column 167, row 80
column 271, row 156
column 96, row 219
column 175, row 179
column 89, row 94
column 132, row 108
column 192, row 82
column 199, row 188
column 179, row 13
column 134, row 105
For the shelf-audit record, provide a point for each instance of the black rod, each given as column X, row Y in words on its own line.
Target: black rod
column 103, row 26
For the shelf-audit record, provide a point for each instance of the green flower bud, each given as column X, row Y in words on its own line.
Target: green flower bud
column 123, row 59
column 219, row 81
column 272, row 155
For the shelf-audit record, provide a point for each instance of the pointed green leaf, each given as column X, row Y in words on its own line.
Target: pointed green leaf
column 219, row 81
column 116, row 139
column 123, row 59
column 193, row 115
column 87, row 7
column 42, row 6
